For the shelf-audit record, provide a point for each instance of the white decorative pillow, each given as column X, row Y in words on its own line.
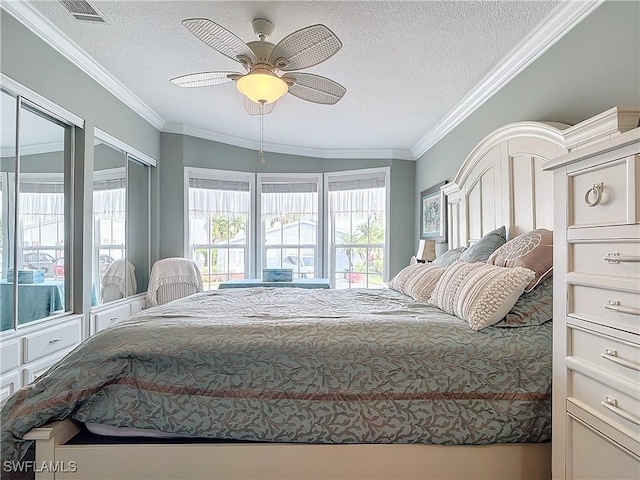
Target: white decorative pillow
column 421, row 283
column 397, row 282
column 480, row 293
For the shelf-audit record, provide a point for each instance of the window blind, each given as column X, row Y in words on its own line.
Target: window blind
column 207, row 196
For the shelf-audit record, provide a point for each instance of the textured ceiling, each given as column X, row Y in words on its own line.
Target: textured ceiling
column 405, row 64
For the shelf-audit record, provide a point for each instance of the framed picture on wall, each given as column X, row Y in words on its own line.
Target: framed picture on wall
column 433, row 214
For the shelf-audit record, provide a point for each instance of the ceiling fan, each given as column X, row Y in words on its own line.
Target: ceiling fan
column 264, row 84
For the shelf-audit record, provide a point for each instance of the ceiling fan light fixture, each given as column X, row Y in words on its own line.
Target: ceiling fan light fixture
column 262, row 86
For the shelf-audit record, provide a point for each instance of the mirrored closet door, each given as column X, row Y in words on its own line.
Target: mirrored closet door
column 35, row 178
column 120, row 262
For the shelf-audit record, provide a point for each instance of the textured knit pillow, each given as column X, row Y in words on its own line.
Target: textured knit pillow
column 480, row 293
column 397, row 282
column 483, row 248
column 532, row 308
column 421, row 283
column 448, row 257
column 532, row 250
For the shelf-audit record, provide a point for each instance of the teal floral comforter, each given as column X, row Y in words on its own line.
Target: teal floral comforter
column 298, row 365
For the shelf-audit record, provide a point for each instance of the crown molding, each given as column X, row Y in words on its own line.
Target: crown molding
column 384, row 153
column 55, row 38
column 555, row 26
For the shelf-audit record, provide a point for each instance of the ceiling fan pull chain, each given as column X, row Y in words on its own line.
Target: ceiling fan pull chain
column 261, row 151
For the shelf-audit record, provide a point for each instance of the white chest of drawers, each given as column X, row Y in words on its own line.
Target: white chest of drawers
column 596, row 389
column 30, row 351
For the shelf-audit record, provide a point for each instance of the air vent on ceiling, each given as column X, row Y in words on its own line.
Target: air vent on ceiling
column 82, row 11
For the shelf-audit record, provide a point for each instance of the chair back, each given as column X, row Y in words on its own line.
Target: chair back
column 119, row 281
column 171, row 279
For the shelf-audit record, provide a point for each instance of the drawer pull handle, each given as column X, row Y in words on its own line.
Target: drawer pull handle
column 595, row 191
column 113, row 319
column 56, row 340
column 611, row 403
column 617, row 258
column 616, row 307
column 612, row 355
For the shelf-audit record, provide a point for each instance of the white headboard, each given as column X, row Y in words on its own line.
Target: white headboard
column 501, row 182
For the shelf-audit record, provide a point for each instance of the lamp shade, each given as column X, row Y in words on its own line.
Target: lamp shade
column 262, row 86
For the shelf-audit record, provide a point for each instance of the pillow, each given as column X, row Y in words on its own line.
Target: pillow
column 421, row 283
column 448, row 257
column 532, row 308
column 480, row 293
column 483, row 248
column 532, row 250
column 397, row 282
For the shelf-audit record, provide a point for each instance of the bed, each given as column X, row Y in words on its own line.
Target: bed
column 341, row 384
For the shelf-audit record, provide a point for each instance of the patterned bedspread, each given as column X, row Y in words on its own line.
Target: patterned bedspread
column 298, row 365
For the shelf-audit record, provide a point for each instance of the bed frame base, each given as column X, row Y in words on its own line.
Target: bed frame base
column 271, row 461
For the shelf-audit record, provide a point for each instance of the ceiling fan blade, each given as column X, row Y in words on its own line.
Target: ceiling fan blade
column 253, row 108
column 315, row 88
column 305, row 48
column 219, row 38
column 203, row 79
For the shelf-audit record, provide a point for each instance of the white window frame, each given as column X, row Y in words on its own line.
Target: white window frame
column 360, row 173
column 215, row 174
column 319, row 247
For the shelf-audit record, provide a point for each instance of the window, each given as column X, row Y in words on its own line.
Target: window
column 36, row 208
column 341, row 235
column 357, row 210
column 290, row 224
column 219, row 224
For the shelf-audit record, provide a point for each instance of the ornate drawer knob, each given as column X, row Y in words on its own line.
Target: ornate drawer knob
column 594, row 194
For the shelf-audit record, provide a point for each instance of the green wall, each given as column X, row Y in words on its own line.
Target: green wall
column 594, row 67
column 179, row 151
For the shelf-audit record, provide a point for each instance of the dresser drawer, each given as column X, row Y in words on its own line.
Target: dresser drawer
column 622, row 411
column 602, row 195
column 9, row 355
column 33, row 370
column 51, row 340
column 616, row 309
column 106, row 318
column 613, row 355
column 593, row 456
column 8, row 385
column 616, row 258
column 138, row 305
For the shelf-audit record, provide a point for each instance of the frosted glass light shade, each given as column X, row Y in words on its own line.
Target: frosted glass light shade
column 262, row 86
